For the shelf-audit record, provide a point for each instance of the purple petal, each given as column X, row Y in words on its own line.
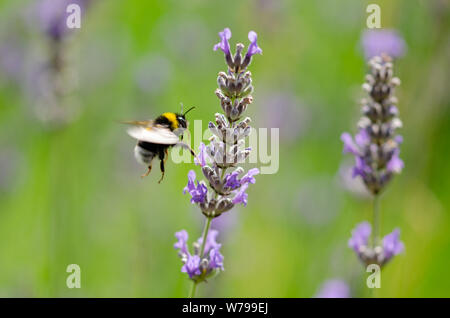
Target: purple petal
column 349, row 145
column 362, row 138
column 248, row 178
column 253, row 48
column 210, row 241
column 398, row 139
column 191, row 182
column 377, row 42
column 241, row 196
column 202, row 156
column 182, row 237
column 334, row 288
column 395, row 164
column 192, row 266
column 361, row 168
column 224, row 35
column 215, row 259
column 392, row 244
column 360, row 236
column 231, row 180
column 198, row 192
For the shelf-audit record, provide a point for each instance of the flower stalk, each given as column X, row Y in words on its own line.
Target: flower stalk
column 376, row 148
column 221, row 190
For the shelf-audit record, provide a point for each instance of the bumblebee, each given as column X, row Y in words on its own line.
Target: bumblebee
column 155, row 137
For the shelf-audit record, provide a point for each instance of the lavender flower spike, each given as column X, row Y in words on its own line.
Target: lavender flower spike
column 376, row 146
column 226, row 150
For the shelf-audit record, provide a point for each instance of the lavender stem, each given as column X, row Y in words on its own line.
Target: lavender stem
column 376, row 220
column 202, row 250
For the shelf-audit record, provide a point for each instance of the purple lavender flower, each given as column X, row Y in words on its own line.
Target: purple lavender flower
column 192, row 266
column 392, row 245
column 12, row 60
column 237, row 63
column 215, row 259
column 360, row 236
column 241, row 196
column 353, row 185
column 395, row 164
column 231, row 180
column 198, row 192
column 211, row 242
column 224, row 35
column 334, row 288
column 384, row 41
column 182, row 237
column 202, row 157
column 285, row 111
column 359, row 242
column 248, row 177
column 199, row 267
column 376, row 145
column 253, row 48
column 52, row 16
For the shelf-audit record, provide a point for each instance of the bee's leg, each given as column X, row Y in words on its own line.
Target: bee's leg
column 166, row 154
column 185, row 146
column 163, row 155
column 162, row 170
column 148, row 171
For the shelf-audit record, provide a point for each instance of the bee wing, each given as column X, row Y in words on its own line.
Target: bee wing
column 145, row 123
column 154, row 134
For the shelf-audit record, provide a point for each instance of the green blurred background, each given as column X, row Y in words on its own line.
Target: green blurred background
column 70, row 190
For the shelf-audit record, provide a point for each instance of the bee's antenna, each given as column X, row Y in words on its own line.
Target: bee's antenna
column 188, row 110
column 181, row 108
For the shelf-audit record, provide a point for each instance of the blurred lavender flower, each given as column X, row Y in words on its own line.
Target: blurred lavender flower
column 12, row 60
column 380, row 255
column 353, row 185
column 153, row 74
column 52, row 16
column 376, row 149
column 376, row 146
column 392, row 245
column 182, row 37
column 334, row 288
column 226, row 222
column 285, row 111
column 376, row 42
column 317, row 201
column 200, row 266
